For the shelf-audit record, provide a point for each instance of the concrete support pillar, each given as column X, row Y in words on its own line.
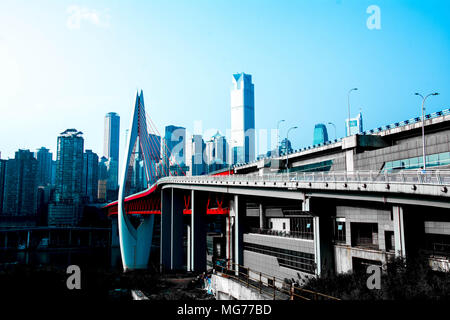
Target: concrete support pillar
column 176, row 241
column 114, row 232
column 198, row 231
column 165, row 238
column 90, row 238
column 399, row 231
column 317, row 253
column 239, row 215
column 70, row 237
column 188, row 249
column 262, row 218
column 6, row 240
column 349, row 160
column 229, row 236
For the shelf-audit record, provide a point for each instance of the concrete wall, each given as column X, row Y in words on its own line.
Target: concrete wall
column 437, row 227
column 403, row 149
column 227, row 289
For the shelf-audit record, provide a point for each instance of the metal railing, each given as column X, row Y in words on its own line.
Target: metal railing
column 429, row 177
column 242, row 275
column 284, row 233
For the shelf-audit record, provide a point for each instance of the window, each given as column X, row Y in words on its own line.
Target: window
column 339, row 230
column 389, row 241
column 364, row 235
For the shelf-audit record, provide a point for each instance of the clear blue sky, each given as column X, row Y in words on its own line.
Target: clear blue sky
column 65, row 64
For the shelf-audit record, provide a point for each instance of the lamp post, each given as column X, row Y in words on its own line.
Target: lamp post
column 348, row 103
column 287, row 139
column 423, row 124
column 278, row 137
column 335, row 135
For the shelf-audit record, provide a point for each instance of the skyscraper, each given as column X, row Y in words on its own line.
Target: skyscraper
column 111, row 139
column 102, row 179
column 111, row 150
column 197, row 159
column 242, row 118
column 20, row 188
column 285, row 146
column 90, row 176
column 44, row 172
column 354, row 125
column 174, row 149
column 66, row 210
column 320, row 133
column 216, row 152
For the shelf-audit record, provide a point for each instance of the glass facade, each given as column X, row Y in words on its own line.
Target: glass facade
column 432, row 160
column 242, row 118
column 320, row 134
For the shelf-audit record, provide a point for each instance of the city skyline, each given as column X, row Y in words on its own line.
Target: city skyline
column 305, row 83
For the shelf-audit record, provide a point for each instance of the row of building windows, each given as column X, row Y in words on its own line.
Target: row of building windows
column 432, row 160
column 301, row 261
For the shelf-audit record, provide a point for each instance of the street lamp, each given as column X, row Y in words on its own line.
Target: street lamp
column 348, row 103
column 278, row 137
column 287, row 139
column 335, row 135
column 423, row 124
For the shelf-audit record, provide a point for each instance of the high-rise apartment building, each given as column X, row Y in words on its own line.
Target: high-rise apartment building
column 90, row 176
column 44, row 172
column 20, row 188
column 242, row 119
column 66, row 210
column 320, row 134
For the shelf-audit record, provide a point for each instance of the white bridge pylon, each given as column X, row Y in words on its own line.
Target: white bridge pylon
column 135, row 243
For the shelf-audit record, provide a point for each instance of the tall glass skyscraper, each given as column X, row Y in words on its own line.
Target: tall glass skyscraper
column 44, row 174
column 112, row 130
column 90, row 176
column 111, row 150
column 320, row 134
column 174, row 149
column 242, row 119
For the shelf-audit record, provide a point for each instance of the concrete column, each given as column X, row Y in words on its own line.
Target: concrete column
column 176, row 241
column 399, row 231
column 6, row 240
column 90, row 238
column 165, row 238
column 70, row 237
column 114, row 232
column 198, row 231
column 261, row 217
column 239, row 215
column 229, row 237
column 349, row 160
column 188, row 249
column 317, row 252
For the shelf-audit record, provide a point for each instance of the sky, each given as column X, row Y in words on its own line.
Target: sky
column 65, row 64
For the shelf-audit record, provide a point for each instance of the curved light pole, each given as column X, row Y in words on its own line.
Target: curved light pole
column 287, row 139
column 231, row 157
column 348, row 103
column 335, row 135
column 423, row 124
column 278, row 137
